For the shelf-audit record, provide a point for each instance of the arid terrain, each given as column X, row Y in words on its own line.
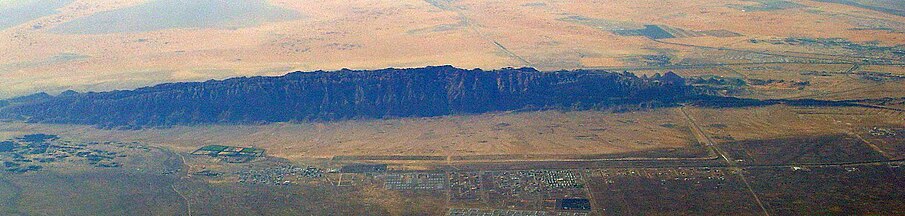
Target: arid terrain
column 81, row 45
column 489, row 134
column 781, row 107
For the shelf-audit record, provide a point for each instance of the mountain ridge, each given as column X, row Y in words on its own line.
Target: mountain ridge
column 351, row 94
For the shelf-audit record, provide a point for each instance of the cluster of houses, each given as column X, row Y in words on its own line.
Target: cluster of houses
column 230, row 154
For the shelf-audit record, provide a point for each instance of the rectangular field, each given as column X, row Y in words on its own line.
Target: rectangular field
column 670, row 191
column 852, row 190
column 802, row 150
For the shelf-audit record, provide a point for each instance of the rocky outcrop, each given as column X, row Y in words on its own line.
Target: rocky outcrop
column 348, row 94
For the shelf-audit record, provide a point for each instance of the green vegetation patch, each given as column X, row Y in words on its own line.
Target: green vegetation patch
column 248, row 150
column 214, row 148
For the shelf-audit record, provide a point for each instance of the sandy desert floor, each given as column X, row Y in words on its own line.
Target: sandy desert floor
column 114, row 44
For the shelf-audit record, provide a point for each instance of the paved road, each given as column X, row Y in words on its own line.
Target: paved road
column 731, row 163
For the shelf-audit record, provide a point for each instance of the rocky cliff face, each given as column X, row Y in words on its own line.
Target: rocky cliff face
column 346, row 94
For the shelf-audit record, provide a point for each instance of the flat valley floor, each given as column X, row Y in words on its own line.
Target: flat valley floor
column 776, row 160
